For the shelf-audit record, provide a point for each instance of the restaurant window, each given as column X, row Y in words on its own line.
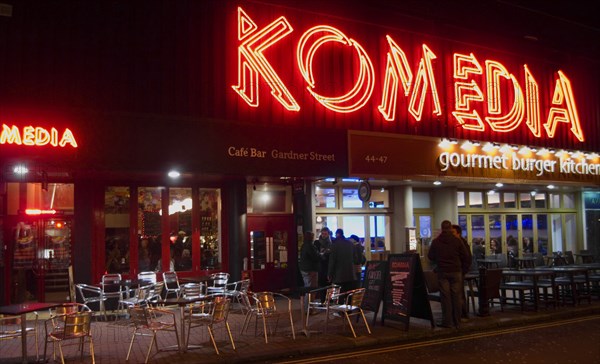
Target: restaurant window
column 180, row 227
column 462, row 222
column 525, row 199
column 557, row 240
column 478, row 229
column 210, row 228
column 325, row 197
column 380, row 198
column 350, row 199
column 527, row 232
column 569, row 200
column 149, row 225
column 495, row 225
column 330, row 222
column 512, row 234
column 116, row 229
column 540, row 200
column 379, row 227
column 554, row 200
column 509, row 200
column 542, row 231
column 493, row 199
column 460, row 198
column 570, row 233
column 475, row 199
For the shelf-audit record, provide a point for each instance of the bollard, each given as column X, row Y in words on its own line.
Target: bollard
column 484, row 309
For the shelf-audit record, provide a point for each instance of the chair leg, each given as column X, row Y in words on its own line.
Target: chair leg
column 230, row 337
column 62, row 357
column 212, row 338
column 92, row 350
column 265, row 328
column 150, row 348
column 292, row 324
column 350, row 323
column 131, row 344
column 365, row 321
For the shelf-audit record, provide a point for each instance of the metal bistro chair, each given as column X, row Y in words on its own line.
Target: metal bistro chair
column 152, row 320
column 236, row 290
column 219, row 282
column 155, row 297
column 210, row 314
column 171, row 284
column 10, row 328
column 140, row 297
column 92, row 295
column 315, row 305
column 351, row 307
column 192, row 290
column 147, row 276
column 266, row 309
column 57, row 321
column 71, row 327
column 111, row 289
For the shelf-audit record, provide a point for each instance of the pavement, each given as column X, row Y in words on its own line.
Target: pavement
column 111, row 339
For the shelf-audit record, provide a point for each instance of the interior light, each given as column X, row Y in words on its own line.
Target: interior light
column 550, row 187
column 174, row 174
column 20, row 169
column 499, row 184
column 437, row 183
column 39, row 212
column 382, row 190
column 533, row 193
column 491, row 192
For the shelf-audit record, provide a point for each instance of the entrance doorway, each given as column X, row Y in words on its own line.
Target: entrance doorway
column 272, row 252
column 41, row 256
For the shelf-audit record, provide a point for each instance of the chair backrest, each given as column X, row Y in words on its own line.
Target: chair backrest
column 171, row 280
column 220, row 279
column 147, row 276
column 355, row 298
column 244, row 286
column 569, row 259
column 266, row 302
column 431, row 281
column 139, row 316
column 493, row 282
column 192, row 290
column 220, row 309
column 332, row 294
column 76, row 325
column 111, row 285
column 111, row 278
column 156, row 291
column 69, row 308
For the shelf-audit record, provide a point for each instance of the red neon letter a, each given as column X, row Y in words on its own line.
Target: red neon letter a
column 252, row 62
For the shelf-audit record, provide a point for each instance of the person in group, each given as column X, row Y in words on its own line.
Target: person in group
column 457, row 230
column 451, row 259
column 495, row 247
column 359, row 257
column 512, row 247
column 323, row 245
column 478, row 249
column 341, row 263
column 309, row 261
column 527, row 245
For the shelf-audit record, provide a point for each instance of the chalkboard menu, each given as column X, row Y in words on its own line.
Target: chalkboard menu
column 405, row 292
column 375, row 273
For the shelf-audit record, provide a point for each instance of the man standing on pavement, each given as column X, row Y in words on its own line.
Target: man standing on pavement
column 341, row 262
column 309, row 261
column 451, row 258
column 457, row 231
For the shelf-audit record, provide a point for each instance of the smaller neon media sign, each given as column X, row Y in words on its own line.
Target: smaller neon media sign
column 486, row 94
column 36, row 136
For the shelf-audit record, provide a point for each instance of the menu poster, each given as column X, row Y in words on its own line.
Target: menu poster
column 375, row 272
column 405, row 293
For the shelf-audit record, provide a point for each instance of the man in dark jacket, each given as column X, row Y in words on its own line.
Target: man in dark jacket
column 341, row 262
column 309, row 261
column 452, row 260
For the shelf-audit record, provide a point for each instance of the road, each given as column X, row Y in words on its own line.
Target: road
column 568, row 341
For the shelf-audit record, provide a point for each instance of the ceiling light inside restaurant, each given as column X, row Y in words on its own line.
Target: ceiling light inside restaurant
column 174, row 174
column 491, row 192
column 437, row 183
column 550, row 187
column 499, row 184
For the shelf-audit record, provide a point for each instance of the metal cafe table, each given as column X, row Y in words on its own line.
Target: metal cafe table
column 182, row 302
column 23, row 309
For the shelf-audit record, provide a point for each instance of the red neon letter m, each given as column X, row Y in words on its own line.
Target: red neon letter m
column 252, row 62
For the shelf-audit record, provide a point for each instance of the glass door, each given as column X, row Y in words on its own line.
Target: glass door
column 41, row 259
